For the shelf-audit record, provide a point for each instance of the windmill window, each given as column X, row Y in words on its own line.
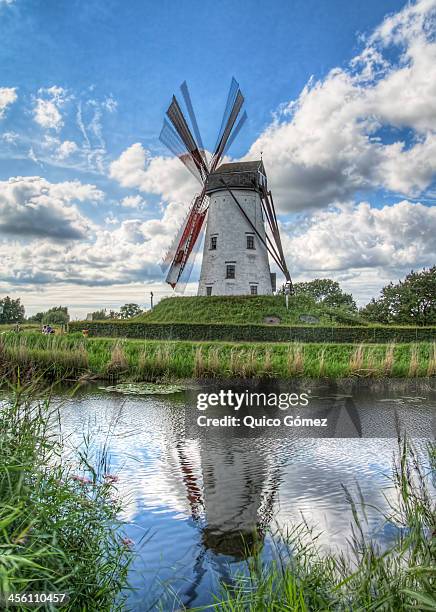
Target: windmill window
column 250, row 242
column 253, row 289
column 213, row 243
column 208, row 291
column 230, row 271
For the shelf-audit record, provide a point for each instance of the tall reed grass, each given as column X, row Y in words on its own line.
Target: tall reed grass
column 431, row 368
column 135, row 360
column 58, row 528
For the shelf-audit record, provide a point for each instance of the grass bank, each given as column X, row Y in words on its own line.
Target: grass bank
column 58, row 527
column 302, row 579
column 245, row 309
column 138, row 360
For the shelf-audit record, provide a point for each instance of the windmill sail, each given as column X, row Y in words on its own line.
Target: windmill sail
column 235, row 132
column 187, row 145
column 187, row 239
column 231, row 97
column 239, row 101
column 180, row 124
column 187, row 98
column 169, row 137
column 186, row 272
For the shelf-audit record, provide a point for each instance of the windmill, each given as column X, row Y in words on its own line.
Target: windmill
column 234, row 198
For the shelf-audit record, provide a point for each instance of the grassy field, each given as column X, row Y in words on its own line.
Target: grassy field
column 243, row 310
column 138, row 360
column 58, row 527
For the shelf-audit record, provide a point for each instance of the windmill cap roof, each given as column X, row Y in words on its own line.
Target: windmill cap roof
column 248, row 166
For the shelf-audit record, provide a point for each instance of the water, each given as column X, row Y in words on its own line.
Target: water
column 190, row 493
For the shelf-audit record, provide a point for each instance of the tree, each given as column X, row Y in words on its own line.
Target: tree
column 99, row 315
column 411, row 301
column 11, row 311
column 36, row 318
column 129, row 310
column 327, row 292
column 58, row 315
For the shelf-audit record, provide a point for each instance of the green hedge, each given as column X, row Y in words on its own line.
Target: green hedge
column 254, row 333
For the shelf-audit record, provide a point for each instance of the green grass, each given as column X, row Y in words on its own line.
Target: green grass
column 402, row 578
column 4, row 327
column 73, row 356
column 57, row 532
column 244, row 310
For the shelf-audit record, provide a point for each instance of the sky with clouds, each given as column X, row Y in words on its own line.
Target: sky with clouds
column 341, row 98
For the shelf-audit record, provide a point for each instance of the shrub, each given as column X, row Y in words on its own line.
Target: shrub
column 255, row 333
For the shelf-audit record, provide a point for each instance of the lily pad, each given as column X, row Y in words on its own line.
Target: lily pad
column 144, row 388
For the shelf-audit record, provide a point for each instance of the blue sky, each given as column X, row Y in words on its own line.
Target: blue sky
column 339, row 97
column 139, row 52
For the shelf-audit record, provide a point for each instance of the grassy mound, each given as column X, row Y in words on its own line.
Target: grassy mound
column 245, row 310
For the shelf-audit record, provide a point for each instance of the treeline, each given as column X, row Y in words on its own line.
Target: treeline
column 126, row 312
column 12, row 311
column 411, row 301
column 328, row 293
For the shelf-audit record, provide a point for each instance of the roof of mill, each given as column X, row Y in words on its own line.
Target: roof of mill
column 248, row 166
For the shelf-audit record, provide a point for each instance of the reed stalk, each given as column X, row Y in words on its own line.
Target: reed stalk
column 431, row 368
column 199, row 363
column 321, row 363
column 213, row 361
column 118, row 361
column 389, row 360
column 414, row 361
column 356, row 360
column 267, row 363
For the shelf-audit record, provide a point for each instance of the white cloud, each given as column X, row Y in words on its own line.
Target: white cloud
column 325, row 146
column 408, row 171
column 66, row 149
column 133, row 201
column 394, row 238
column 90, row 114
column 110, row 104
column 47, row 114
column 31, row 155
column 34, row 207
column 128, row 253
column 47, row 107
column 160, row 175
column 55, row 108
column 10, row 137
column 8, row 96
column 111, row 219
column 362, row 247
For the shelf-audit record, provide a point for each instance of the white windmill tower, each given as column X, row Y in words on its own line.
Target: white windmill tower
column 236, row 202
